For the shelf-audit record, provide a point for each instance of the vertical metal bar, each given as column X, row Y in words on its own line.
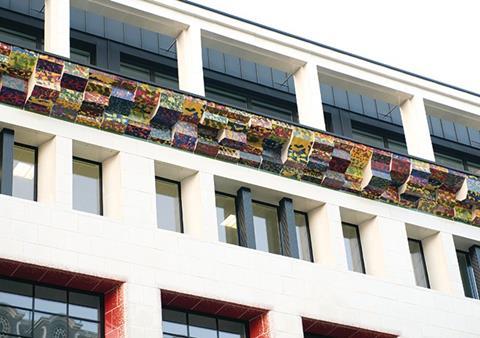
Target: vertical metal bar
column 7, row 137
column 475, row 262
column 245, row 227
column 288, row 228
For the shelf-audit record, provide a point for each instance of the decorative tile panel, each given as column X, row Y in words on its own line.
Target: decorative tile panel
column 58, row 88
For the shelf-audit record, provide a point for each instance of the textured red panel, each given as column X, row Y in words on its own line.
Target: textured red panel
column 7, row 268
column 233, row 311
column 57, row 277
column 84, row 282
column 208, row 306
column 334, row 330
column 168, row 297
column 114, row 313
column 30, row 272
column 259, row 327
column 345, row 331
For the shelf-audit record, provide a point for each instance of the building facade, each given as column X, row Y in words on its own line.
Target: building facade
column 168, row 170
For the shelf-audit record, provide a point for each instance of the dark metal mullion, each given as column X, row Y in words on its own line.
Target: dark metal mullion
column 287, row 228
column 245, row 225
column 7, row 137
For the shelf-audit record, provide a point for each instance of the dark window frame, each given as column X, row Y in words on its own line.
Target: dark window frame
column 35, row 177
column 362, row 258
column 100, row 176
column 101, row 318
column 424, row 262
column 179, row 187
column 471, row 275
column 199, row 313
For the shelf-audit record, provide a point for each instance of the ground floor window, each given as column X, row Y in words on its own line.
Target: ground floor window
column 34, row 310
column 186, row 324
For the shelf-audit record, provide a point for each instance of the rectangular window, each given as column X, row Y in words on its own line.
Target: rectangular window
column 303, row 236
column 48, row 311
column 24, row 172
column 169, row 209
column 226, row 218
column 87, row 186
column 418, row 262
column 265, row 222
column 184, row 324
column 353, row 247
column 468, row 277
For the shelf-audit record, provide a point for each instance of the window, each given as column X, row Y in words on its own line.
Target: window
column 87, row 186
column 24, row 172
column 184, row 324
column 265, row 222
column 378, row 138
column 145, row 70
column 468, row 277
column 31, row 310
column 303, row 236
column 169, row 210
column 353, row 247
column 226, row 218
column 418, row 262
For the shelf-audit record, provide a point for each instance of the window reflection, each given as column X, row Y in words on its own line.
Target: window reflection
column 39, row 311
column 24, row 172
column 418, row 262
column 87, row 186
column 265, row 222
column 168, row 205
column 184, row 324
column 303, row 237
column 353, row 248
column 467, row 274
column 227, row 219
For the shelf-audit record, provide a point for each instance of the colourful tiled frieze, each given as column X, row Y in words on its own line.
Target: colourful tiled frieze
column 58, row 88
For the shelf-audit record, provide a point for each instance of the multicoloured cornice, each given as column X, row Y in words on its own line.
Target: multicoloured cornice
column 57, row 88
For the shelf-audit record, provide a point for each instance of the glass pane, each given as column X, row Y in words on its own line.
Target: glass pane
column 83, row 328
column 135, row 72
column 83, row 306
column 50, row 300
column 418, row 263
column 303, row 238
column 17, row 38
column 15, row 293
column 174, row 322
column 86, row 187
column 165, row 80
column 463, row 264
column 265, row 222
column 15, row 321
column 368, row 138
column 229, row 329
column 24, row 172
column 397, row 146
column 225, row 97
column 52, row 326
column 271, row 110
column 449, row 161
column 168, row 206
column 352, row 247
column 473, row 168
column 227, row 219
column 81, row 56
column 202, row 327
